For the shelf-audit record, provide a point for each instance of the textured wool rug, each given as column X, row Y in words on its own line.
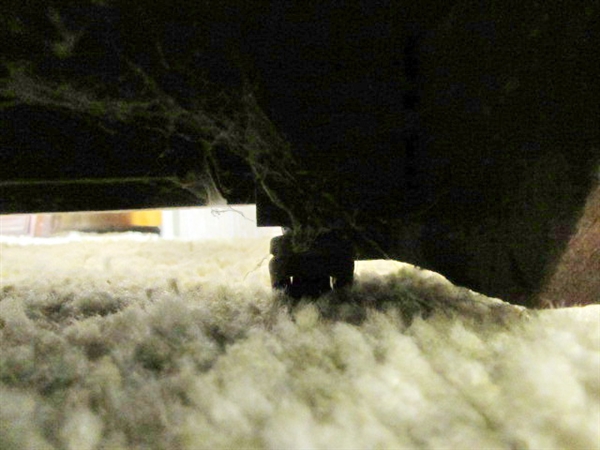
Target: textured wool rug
column 134, row 342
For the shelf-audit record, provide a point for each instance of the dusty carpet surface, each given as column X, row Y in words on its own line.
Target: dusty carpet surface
column 133, row 342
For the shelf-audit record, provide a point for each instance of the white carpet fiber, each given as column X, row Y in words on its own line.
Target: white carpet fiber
column 133, row 342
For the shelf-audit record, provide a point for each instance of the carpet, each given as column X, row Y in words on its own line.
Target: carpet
column 135, row 342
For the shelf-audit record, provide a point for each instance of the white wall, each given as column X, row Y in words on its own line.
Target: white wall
column 214, row 222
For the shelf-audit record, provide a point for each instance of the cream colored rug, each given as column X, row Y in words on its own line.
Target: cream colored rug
column 133, row 342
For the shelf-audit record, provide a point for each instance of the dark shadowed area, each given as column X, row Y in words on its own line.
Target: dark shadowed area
column 459, row 137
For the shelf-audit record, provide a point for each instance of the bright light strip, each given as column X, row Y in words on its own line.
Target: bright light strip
column 198, row 223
